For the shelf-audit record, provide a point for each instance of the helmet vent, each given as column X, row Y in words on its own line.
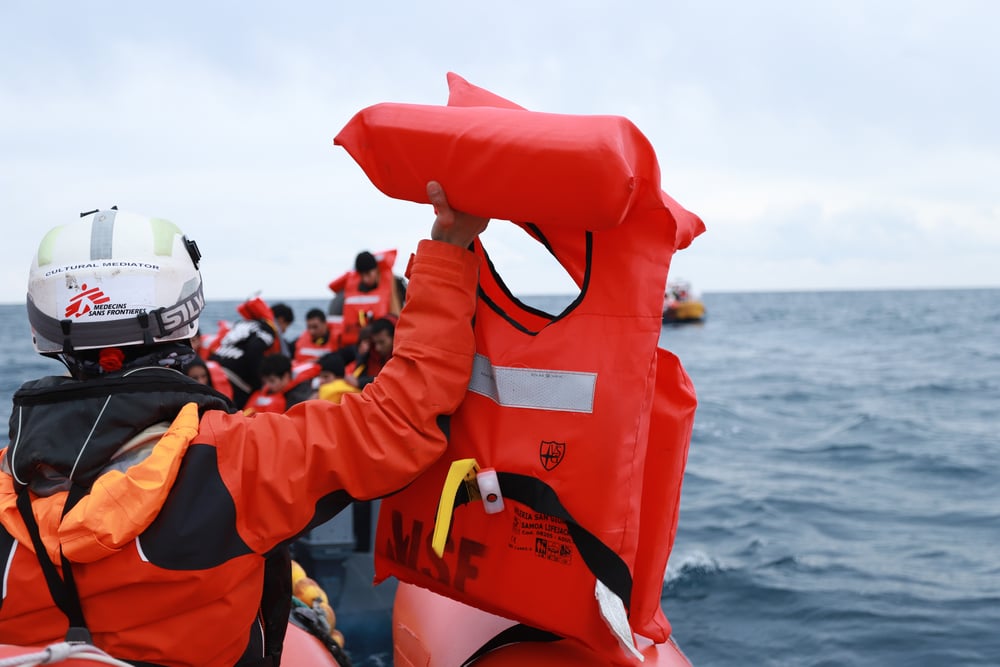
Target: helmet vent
column 193, row 250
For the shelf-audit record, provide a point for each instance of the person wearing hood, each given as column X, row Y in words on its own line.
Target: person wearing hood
column 139, row 510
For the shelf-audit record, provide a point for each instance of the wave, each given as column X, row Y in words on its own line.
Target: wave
column 693, row 568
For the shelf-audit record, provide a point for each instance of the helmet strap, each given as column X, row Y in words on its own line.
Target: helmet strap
column 147, row 335
column 84, row 364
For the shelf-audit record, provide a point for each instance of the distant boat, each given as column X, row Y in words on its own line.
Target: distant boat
column 682, row 304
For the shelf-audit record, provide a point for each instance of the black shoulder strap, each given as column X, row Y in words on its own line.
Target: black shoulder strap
column 603, row 562
column 67, row 598
column 63, row 590
column 512, row 635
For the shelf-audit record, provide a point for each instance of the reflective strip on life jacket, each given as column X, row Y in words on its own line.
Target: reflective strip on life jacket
column 307, row 350
column 536, row 388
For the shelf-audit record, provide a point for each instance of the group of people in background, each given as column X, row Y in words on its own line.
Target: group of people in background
column 339, row 352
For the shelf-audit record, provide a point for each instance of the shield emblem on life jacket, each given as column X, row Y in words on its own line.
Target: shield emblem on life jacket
column 551, row 453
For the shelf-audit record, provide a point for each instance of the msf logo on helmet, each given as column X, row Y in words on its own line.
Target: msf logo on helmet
column 78, row 306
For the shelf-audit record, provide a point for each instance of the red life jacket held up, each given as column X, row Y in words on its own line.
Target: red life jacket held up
column 583, row 419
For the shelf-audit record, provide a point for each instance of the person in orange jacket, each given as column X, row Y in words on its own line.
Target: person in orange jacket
column 138, row 510
column 279, row 390
column 365, row 294
column 318, row 339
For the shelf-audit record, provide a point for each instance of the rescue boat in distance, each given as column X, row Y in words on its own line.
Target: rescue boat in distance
column 682, row 304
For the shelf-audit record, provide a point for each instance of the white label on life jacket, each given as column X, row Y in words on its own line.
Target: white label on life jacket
column 538, row 388
column 614, row 614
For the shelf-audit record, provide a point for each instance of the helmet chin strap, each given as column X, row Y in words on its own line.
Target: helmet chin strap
column 86, row 363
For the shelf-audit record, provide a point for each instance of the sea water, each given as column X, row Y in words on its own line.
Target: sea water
column 841, row 504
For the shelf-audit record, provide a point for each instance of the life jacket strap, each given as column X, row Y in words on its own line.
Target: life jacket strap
column 601, row 559
column 461, row 473
column 613, row 588
column 512, row 635
column 270, row 630
column 62, row 589
column 460, row 488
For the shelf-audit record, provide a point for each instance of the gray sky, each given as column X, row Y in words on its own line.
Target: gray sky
column 826, row 144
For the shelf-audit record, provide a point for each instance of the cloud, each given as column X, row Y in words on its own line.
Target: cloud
column 828, row 144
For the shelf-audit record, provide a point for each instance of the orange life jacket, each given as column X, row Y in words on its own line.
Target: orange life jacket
column 564, row 408
column 264, row 401
column 220, row 381
column 305, row 370
column 308, row 350
column 211, row 342
column 360, row 308
column 298, row 388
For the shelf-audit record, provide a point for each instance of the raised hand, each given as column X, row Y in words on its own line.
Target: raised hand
column 452, row 226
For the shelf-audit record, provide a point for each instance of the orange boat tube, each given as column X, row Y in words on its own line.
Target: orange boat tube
column 300, row 650
column 430, row 630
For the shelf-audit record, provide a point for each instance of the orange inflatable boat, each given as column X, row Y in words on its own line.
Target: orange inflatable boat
column 429, row 630
column 301, row 650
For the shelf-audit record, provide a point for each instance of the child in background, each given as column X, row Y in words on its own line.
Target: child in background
column 279, row 390
column 333, row 386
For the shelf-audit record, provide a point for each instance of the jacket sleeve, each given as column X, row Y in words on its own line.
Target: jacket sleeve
column 277, row 467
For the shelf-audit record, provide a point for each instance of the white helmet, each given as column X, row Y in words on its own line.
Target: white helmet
column 113, row 279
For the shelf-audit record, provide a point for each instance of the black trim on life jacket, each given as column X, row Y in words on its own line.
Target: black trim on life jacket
column 536, row 231
column 502, row 286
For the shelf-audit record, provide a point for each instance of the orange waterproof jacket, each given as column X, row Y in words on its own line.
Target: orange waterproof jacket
column 167, row 554
column 585, row 421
